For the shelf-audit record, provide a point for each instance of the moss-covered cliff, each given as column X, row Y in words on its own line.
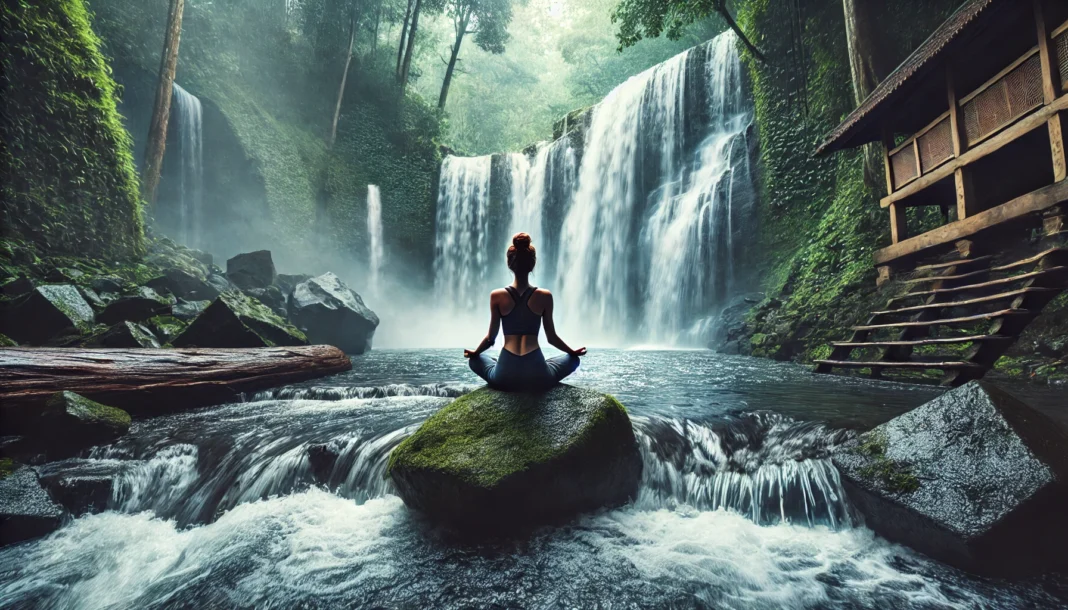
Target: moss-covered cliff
column 69, row 183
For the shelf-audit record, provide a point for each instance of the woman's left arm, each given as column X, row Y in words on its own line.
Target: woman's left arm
column 491, row 336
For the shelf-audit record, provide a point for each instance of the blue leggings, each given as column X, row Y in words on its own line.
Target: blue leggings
column 529, row 372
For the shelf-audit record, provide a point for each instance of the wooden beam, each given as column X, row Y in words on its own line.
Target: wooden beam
column 1051, row 79
column 1024, row 126
column 1035, row 201
column 1056, row 144
column 966, row 204
column 955, row 123
column 888, row 144
column 899, row 228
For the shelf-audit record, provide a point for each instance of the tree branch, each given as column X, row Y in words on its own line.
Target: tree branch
column 721, row 8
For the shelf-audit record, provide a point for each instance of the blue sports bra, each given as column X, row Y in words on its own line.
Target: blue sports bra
column 521, row 320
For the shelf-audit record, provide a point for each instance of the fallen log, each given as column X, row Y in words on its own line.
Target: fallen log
column 152, row 381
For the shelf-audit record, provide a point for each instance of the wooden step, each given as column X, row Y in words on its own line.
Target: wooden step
column 976, row 301
column 957, row 263
column 997, row 282
column 941, row 278
column 922, row 342
column 850, row 364
column 1029, row 260
column 975, row 318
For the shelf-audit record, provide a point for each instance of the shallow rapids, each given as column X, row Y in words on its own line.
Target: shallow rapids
column 739, row 506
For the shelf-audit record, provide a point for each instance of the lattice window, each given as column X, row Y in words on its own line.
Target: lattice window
column 1061, row 44
column 1005, row 100
column 903, row 162
column 936, row 146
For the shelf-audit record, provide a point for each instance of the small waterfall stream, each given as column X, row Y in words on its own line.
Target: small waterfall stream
column 639, row 226
column 188, row 114
column 376, row 246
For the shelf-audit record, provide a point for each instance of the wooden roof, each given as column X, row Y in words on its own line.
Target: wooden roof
column 862, row 125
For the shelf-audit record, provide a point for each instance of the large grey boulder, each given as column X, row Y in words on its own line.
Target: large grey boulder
column 974, row 478
column 251, row 270
column 43, row 313
column 236, row 320
column 331, row 313
column 184, row 284
column 26, row 511
column 69, row 422
column 144, row 304
column 497, row 461
column 82, row 486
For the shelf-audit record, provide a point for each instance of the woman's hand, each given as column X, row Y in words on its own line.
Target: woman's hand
column 469, row 353
column 579, row 352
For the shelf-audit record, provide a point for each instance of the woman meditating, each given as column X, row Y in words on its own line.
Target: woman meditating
column 520, row 308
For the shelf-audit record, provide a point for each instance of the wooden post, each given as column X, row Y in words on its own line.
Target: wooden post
column 962, row 175
column 898, row 225
column 161, row 109
column 888, row 145
column 1051, row 90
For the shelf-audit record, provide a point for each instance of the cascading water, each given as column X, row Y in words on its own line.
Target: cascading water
column 642, row 231
column 188, row 113
column 462, row 237
column 377, row 252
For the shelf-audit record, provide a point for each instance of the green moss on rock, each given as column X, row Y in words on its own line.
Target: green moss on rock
column 69, row 183
column 895, row 475
column 494, row 457
column 6, row 341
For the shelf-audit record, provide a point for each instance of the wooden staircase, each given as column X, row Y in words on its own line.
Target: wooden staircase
column 958, row 317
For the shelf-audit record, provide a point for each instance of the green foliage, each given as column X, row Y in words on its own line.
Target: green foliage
column 640, row 19
column 69, row 183
column 7, row 467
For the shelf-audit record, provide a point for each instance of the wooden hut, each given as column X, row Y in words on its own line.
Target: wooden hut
column 972, row 127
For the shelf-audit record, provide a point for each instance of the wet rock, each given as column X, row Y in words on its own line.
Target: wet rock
column 6, row 341
column 26, row 511
column 125, row 334
column 270, row 296
column 183, row 284
column 187, row 310
column 81, row 486
column 329, row 312
column 217, row 284
column 69, row 422
column 16, row 287
column 974, row 478
column 166, row 328
column 322, row 458
column 235, row 320
column 498, row 461
column 205, row 258
column 44, row 313
column 108, row 283
column 286, row 283
column 251, row 270
column 95, row 300
column 145, row 304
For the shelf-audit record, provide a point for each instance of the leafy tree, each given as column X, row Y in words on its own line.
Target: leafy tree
column 640, row 19
column 487, row 19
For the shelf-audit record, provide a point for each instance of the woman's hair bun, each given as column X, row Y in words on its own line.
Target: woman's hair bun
column 521, row 255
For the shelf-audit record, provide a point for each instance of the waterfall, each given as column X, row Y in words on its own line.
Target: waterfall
column 189, row 114
column 377, row 253
column 460, row 261
column 640, row 225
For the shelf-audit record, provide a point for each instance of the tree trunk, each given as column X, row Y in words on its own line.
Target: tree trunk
column 864, row 46
column 412, row 31
column 378, row 19
column 461, row 30
column 403, row 39
column 721, row 8
column 149, row 381
column 344, row 79
column 161, row 109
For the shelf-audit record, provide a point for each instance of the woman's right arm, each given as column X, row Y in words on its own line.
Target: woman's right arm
column 491, row 336
column 550, row 330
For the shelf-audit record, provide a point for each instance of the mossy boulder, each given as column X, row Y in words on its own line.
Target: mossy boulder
column 124, row 334
column 6, row 341
column 144, row 304
column 496, row 461
column 75, row 421
column 44, row 313
column 975, row 478
column 236, row 320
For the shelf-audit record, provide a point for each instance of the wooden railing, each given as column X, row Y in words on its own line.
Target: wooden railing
column 1021, row 98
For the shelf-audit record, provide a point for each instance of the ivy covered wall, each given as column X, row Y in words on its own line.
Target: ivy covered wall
column 69, row 181
column 820, row 222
